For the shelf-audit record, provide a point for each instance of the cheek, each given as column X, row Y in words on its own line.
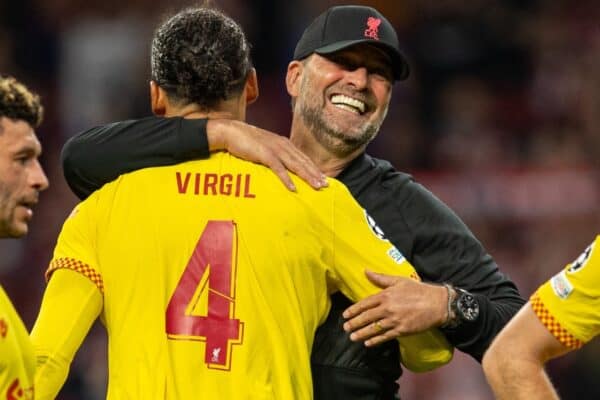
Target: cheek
column 9, row 190
column 383, row 95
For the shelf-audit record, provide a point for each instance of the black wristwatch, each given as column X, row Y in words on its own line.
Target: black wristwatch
column 463, row 307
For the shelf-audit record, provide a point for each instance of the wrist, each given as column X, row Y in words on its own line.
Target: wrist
column 462, row 307
column 450, row 314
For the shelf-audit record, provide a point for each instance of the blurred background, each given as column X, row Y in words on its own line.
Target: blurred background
column 500, row 119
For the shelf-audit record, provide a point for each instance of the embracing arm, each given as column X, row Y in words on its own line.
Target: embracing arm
column 445, row 251
column 99, row 155
column 70, row 305
column 442, row 250
column 514, row 363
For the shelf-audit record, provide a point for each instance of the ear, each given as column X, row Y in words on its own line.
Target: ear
column 251, row 87
column 158, row 99
column 292, row 78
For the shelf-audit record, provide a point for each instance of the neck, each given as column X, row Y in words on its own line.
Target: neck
column 330, row 163
column 223, row 110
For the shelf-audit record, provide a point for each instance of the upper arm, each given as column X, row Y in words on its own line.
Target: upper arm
column 99, row 155
column 72, row 300
column 526, row 337
column 569, row 302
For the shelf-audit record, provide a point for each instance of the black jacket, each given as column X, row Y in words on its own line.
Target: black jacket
column 437, row 243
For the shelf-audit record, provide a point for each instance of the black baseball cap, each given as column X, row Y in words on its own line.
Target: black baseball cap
column 344, row 26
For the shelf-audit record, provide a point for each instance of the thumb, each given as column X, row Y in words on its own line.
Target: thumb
column 381, row 280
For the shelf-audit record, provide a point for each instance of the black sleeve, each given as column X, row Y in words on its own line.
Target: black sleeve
column 445, row 250
column 99, row 155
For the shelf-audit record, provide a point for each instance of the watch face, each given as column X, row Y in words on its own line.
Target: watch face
column 468, row 307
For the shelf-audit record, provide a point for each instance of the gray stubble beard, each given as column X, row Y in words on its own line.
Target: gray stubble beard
column 334, row 140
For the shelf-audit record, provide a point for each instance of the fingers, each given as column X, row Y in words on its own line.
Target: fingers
column 381, row 280
column 362, row 306
column 271, row 150
column 297, row 162
column 278, row 167
column 375, row 333
column 385, row 336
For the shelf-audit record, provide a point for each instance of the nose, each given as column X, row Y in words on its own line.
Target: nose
column 39, row 181
column 358, row 77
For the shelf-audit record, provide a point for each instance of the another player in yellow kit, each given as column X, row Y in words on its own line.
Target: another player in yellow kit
column 561, row 316
column 209, row 276
column 21, row 179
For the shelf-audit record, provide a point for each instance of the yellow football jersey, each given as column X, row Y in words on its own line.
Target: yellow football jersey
column 569, row 303
column 215, row 278
column 17, row 363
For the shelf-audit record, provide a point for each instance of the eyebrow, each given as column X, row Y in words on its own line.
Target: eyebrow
column 32, row 149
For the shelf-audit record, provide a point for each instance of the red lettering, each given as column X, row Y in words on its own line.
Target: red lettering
column 247, row 188
column 225, row 184
column 197, row 185
column 3, row 328
column 15, row 391
column 216, row 255
column 210, row 182
column 182, row 186
column 238, row 183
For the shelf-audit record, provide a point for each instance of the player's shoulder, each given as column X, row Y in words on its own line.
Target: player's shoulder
column 589, row 257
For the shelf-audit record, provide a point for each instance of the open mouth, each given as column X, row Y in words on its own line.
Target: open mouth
column 349, row 104
column 28, row 206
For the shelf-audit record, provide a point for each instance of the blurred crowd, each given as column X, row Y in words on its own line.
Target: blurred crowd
column 500, row 119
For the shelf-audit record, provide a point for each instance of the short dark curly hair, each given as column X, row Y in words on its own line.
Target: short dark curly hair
column 200, row 56
column 19, row 103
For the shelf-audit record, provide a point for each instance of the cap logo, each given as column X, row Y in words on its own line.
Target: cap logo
column 372, row 30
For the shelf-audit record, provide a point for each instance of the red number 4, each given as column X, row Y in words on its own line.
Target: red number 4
column 210, row 263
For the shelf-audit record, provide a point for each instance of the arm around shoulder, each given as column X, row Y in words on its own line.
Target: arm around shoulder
column 99, row 155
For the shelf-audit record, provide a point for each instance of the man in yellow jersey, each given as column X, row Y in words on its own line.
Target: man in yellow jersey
column 561, row 316
column 210, row 277
column 21, row 180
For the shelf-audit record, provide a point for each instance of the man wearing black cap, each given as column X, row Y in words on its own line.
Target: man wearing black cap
column 340, row 82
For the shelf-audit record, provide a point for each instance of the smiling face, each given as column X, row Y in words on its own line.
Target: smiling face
column 21, row 176
column 342, row 98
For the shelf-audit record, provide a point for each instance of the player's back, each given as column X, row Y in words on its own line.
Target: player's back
column 214, row 278
column 214, row 281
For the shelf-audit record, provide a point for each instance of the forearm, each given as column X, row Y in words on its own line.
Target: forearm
column 515, row 378
column 99, row 155
column 70, row 305
column 496, row 310
column 458, row 259
column 514, row 363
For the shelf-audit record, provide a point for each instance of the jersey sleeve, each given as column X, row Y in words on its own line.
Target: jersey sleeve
column 99, row 155
column 360, row 244
column 569, row 303
column 70, row 306
column 75, row 248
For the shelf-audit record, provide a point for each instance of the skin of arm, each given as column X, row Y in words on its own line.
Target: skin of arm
column 514, row 363
column 263, row 147
column 100, row 154
column 70, row 306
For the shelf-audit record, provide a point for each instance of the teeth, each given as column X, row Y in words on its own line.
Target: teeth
column 348, row 103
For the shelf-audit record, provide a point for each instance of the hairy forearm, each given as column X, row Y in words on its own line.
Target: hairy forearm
column 514, row 363
column 514, row 378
